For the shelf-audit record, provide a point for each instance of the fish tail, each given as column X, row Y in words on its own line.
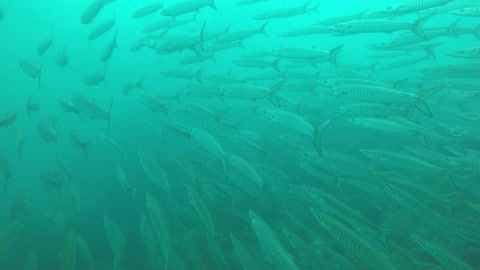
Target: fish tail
column 333, row 53
column 317, row 136
column 422, row 135
column 409, row 116
column 272, row 97
column 451, row 29
column 421, row 105
column 213, row 5
column 418, row 26
column 476, row 33
column 263, row 30
column 430, row 49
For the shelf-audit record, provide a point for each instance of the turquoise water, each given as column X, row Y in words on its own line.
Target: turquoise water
column 228, row 138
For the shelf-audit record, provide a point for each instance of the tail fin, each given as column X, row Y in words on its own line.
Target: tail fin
column 333, row 53
column 476, row 33
column 213, row 5
column 451, row 29
column 272, row 97
column 263, row 29
column 418, row 26
column 317, row 136
column 421, row 105
column 200, row 75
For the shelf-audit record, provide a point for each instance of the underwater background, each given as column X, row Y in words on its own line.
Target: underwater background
column 243, row 134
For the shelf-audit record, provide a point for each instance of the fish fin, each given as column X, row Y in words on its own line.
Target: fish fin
column 422, row 135
column 263, row 29
column 213, row 5
column 476, row 33
column 418, row 26
column 272, row 97
column 333, row 53
column 451, row 29
column 409, row 116
column 421, row 105
column 317, row 136
column 430, row 49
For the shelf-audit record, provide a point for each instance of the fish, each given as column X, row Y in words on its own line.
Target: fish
column 470, row 53
column 68, row 255
column 247, row 260
column 108, row 51
column 414, row 6
column 44, row 45
column 94, row 79
column 130, row 86
column 385, row 95
column 48, row 129
column 270, row 244
column 361, row 225
column 381, row 26
column 248, row 2
column 116, row 240
column 30, row 106
column 352, row 242
column 93, row 9
column 204, row 213
column 114, row 145
column 308, row 54
column 286, row 12
column 467, row 12
column 84, row 253
column 209, row 144
column 80, row 142
column 297, row 123
column 158, row 25
column 153, row 170
column 8, row 119
column 251, row 92
column 62, row 59
column 147, row 10
column 246, row 170
column 90, row 109
column 101, row 29
column 446, row 257
column 160, row 226
column 124, row 182
column 8, row 236
column 31, row 70
column 186, row 6
column 242, row 34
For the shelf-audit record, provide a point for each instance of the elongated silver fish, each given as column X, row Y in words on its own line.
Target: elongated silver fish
column 270, row 244
column 350, row 240
column 381, row 26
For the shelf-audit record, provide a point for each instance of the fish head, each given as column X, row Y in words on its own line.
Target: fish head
column 355, row 120
column 252, row 215
column 344, row 110
column 393, row 8
column 371, row 154
column 328, row 82
column 342, row 27
column 335, row 91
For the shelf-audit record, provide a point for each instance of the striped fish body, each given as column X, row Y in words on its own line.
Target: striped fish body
column 383, row 125
column 415, row 5
column 248, row 261
column 350, row 216
column 371, row 93
column 352, row 242
column 159, row 226
column 445, row 257
column 206, row 141
column 402, row 161
column 300, row 53
column 271, row 245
